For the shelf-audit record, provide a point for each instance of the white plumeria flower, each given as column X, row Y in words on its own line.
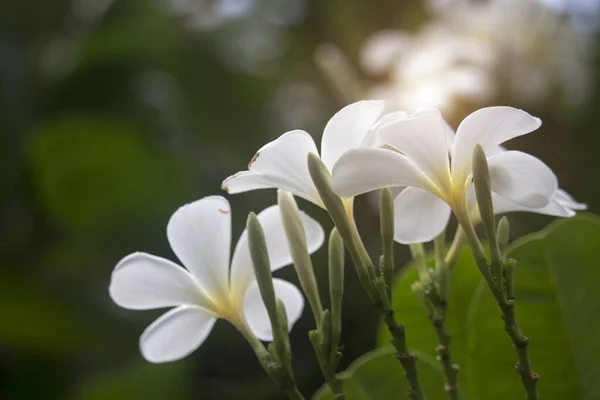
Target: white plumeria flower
column 435, row 167
column 209, row 287
column 282, row 163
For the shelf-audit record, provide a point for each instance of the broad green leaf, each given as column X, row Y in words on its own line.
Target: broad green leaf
column 410, row 312
column 378, row 375
column 558, row 305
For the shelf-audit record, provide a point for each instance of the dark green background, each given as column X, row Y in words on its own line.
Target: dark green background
column 108, row 125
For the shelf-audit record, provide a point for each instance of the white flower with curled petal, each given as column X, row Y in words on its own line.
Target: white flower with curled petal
column 209, row 287
column 424, row 155
column 282, row 163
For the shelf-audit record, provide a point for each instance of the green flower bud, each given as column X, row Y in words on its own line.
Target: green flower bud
column 296, row 238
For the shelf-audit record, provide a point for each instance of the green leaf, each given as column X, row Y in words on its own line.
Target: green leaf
column 409, row 311
column 378, row 375
column 558, row 306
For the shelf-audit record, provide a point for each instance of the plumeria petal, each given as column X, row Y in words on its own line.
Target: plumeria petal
column 419, row 216
column 348, row 128
column 390, row 118
column 256, row 312
column 200, row 236
column 141, row 281
column 422, row 138
column 245, row 181
column 362, row 170
column 522, row 178
column 554, row 208
column 242, row 273
column 283, row 163
column 487, row 127
column 176, row 334
column 567, row 200
column 372, row 139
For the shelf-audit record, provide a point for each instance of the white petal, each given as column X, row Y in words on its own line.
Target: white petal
column 284, row 163
column 242, row 272
column 372, row 139
column 522, row 178
column 200, row 236
column 141, row 281
column 256, row 312
column 422, row 138
column 565, row 199
column 487, row 127
column 348, row 128
column 391, row 118
column 245, row 181
column 419, row 216
column 553, row 208
column 176, row 334
column 362, row 170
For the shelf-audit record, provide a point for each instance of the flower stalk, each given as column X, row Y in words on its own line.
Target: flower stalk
column 386, row 215
column 277, row 359
column 432, row 290
column 501, row 270
column 325, row 338
column 375, row 287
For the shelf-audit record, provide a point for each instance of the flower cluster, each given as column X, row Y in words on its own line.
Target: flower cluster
column 364, row 147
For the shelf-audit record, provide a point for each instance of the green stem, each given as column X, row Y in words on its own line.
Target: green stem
column 418, row 254
column 521, row 344
column 366, row 272
column 276, row 372
column 440, row 302
column 444, row 356
column 507, row 306
column 408, row 360
column 460, row 239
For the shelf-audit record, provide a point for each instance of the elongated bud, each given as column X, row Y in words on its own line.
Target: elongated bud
column 262, row 270
column 483, row 191
column 483, row 187
column 336, row 282
column 262, row 265
column 283, row 326
column 334, row 205
column 326, row 330
column 386, row 217
column 296, row 238
column 502, row 234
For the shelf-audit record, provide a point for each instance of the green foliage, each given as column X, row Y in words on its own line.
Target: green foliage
column 378, row 375
column 91, row 171
column 558, row 306
column 139, row 381
column 36, row 321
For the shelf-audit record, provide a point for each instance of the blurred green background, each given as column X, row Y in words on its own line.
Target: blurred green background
column 115, row 112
